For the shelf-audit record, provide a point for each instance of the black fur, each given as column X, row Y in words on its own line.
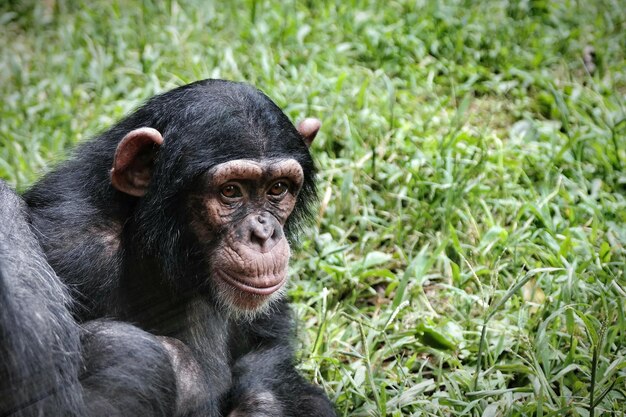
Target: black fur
column 136, row 260
column 39, row 341
column 52, row 366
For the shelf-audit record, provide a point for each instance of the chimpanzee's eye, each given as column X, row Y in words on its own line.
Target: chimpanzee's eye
column 231, row 191
column 278, row 188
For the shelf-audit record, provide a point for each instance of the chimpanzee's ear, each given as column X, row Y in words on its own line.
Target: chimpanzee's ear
column 308, row 128
column 134, row 159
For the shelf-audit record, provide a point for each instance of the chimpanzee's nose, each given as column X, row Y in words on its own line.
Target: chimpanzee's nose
column 265, row 232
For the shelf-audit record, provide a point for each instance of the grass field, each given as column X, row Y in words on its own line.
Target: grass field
column 469, row 255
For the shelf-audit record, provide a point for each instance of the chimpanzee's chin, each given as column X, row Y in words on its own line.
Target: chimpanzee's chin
column 250, row 307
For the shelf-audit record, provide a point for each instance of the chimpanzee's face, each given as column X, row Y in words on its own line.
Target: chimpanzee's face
column 240, row 214
column 231, row 170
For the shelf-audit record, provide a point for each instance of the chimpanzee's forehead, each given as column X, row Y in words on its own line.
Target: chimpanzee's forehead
column 236, row 125
column 229, row 139
column 221, row 122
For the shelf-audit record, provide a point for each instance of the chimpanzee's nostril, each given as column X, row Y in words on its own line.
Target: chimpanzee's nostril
column 260, row 233
column 264, row 232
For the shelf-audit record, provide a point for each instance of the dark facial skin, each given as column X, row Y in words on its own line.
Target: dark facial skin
column 246, row 203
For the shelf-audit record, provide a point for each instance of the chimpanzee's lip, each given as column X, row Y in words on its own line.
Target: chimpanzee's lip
column 255, row 286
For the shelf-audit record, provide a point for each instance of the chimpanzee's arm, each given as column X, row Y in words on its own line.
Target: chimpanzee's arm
column 51, row 365
column 267, row 384
column 39, row 340
column 265, row 380
column 127, row 371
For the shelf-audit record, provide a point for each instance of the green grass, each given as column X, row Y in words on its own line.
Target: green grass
column 469, row 254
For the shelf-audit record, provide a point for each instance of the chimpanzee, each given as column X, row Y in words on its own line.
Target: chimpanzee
column 52, row 366
column 170, row 236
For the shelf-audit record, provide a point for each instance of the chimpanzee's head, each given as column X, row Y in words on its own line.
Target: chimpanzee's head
column 222, row 178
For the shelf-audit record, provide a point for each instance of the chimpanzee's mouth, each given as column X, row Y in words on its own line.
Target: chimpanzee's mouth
column 258, row 285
